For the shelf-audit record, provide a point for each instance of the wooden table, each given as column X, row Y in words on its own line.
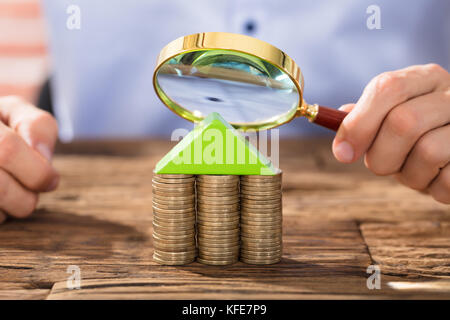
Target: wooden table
column 338, row 220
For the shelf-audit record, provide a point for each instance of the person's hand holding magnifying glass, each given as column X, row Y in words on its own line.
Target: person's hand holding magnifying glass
column 401, row 125
column 401, row 122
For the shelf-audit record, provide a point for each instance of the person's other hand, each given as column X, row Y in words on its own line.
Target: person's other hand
column 27, row 139
column 401, row 124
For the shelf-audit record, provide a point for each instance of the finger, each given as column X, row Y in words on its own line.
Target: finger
column 440, row 188
column 24, row 163
column 429, row 155
column 382, row 94
column 14, row 198
column 37, row 127
column 347, row 107
column 401, row 129
column 2, row 217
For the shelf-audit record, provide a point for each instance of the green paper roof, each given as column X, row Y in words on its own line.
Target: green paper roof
column 215, row 147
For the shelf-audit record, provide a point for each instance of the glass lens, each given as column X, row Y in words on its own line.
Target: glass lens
column 242, row 88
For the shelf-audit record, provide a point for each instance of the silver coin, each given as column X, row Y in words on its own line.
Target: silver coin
column 260, row 261
column 173, row 175
column 173, row 262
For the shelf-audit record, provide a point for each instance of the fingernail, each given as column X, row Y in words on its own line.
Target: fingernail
column 344, row 152
column 52, row 186
column 44, row 151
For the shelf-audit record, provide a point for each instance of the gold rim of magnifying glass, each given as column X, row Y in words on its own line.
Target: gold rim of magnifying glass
column 238, row 43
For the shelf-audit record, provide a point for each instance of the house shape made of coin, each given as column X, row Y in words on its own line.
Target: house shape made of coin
column 215, row 147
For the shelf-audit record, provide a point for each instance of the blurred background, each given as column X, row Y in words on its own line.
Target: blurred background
column 101, row 74
column 23, row 48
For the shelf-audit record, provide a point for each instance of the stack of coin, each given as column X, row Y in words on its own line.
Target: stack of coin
column 174, row 219
column 218, row 219
column 261, row 219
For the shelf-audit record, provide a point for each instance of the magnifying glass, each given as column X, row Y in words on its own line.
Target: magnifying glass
column 251, row 83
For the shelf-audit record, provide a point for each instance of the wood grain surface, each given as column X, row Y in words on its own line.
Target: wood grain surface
column 338, row 220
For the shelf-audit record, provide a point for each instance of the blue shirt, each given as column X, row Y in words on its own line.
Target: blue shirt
column 102, row 72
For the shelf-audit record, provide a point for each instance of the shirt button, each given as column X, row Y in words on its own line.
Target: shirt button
column 250, row 27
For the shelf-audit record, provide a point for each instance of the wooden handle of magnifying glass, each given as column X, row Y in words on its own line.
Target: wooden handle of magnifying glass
column 329, row 118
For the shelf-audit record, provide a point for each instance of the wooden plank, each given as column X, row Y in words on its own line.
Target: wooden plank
column 413, row 248
column 111, row 250
column 212, row 288
column 17, row 291
column 100, row 220
column 24, row 294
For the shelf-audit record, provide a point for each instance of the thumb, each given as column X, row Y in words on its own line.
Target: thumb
column 37, row 127
column 342, row 150
column 40, row 133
